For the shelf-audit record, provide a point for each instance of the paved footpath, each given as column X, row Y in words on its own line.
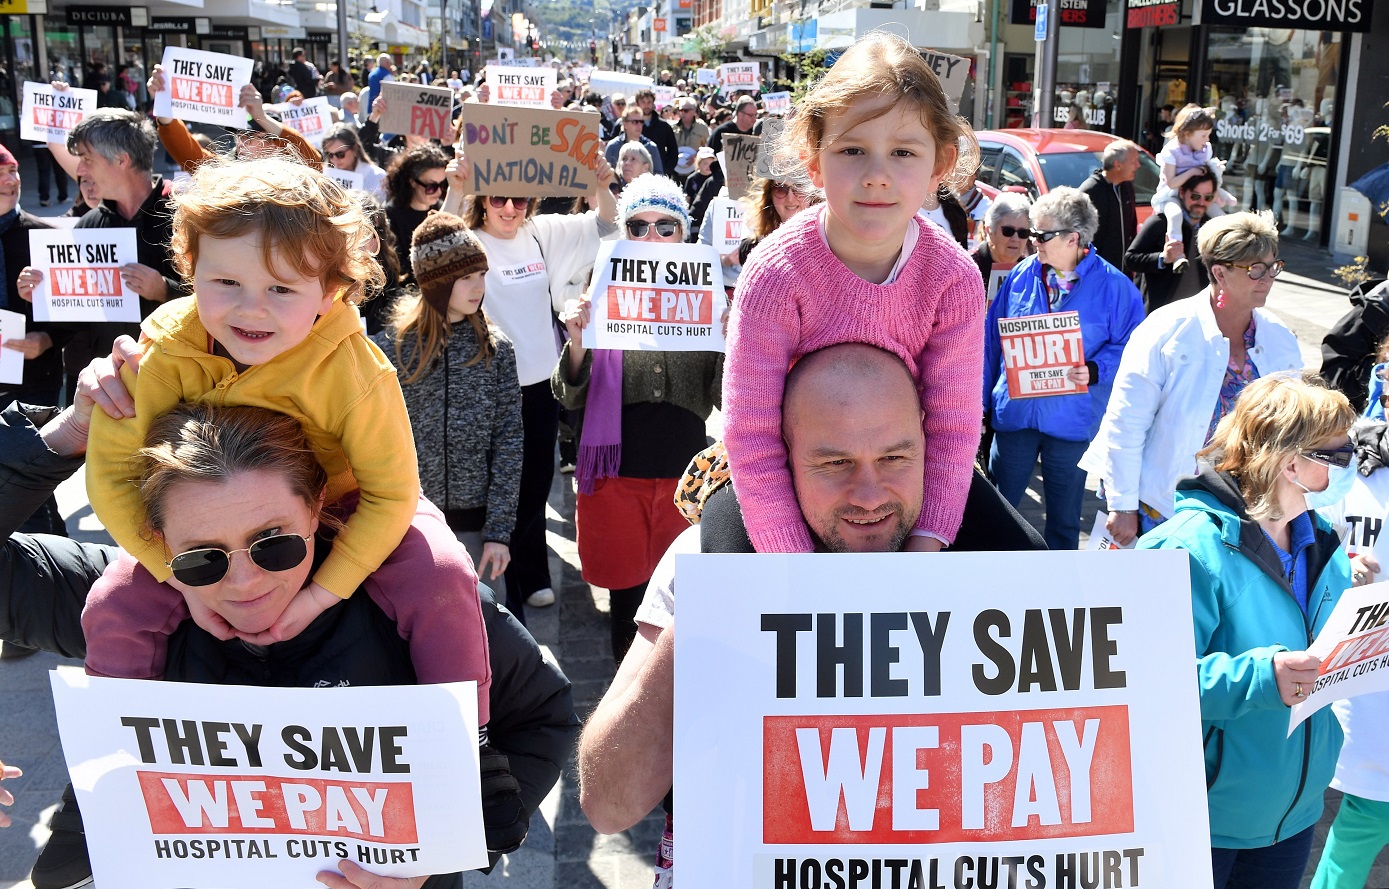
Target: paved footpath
column 562, row 851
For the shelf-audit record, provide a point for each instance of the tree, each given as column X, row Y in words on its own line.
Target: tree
column 808, row 68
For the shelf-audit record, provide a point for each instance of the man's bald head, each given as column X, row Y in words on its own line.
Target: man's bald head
column 845, row 374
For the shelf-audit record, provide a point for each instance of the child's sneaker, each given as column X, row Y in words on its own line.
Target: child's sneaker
column 1179, row 267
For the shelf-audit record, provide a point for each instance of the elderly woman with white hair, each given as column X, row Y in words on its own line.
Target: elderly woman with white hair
column 1066, row 275
column 633, row 160
column 1003, row 236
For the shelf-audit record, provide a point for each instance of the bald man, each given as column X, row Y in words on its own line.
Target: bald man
column 851, row 420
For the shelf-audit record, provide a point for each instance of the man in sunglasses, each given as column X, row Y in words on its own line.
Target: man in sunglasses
column 633, row 125
column 1151, row 256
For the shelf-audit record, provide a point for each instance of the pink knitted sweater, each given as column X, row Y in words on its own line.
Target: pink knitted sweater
column 794, row 296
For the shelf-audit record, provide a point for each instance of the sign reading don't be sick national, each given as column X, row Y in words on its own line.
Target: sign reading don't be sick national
column 531, row 152
column 81, row 270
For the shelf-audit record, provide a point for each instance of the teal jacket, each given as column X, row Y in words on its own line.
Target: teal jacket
column 1262, row 785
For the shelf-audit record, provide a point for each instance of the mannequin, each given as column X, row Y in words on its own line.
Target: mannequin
column 1315, row 171
column 1291, row 166
column 1263, row 157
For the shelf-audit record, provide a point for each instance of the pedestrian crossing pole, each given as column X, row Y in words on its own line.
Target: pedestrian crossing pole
column 1044, row 81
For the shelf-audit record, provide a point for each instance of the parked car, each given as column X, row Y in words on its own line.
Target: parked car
column 1036, row 161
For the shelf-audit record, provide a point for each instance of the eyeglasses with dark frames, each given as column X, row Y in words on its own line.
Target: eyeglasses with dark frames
column 638, row 228
column 431, row 187
column 1044, row 237
column 518, row 203
column 206, row 566
column 340, row 154
column 1338, row 457
column 1009, row 231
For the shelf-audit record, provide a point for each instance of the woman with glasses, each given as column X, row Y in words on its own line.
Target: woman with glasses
column 643, row 419
column 766, row 206
column 342, row 150
column 415, row 185
column 1067, row 275
column 1003, row 238
column 1182, row 371
column 1266, row 572
column 530, row 260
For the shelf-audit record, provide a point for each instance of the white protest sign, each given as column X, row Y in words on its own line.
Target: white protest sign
column 772, row 128
column 580, row 72
column 81, row 274
column 605, row 83
column 728, row 224
column 666, row 297
column 707, row 77
column 312, row 119
column 418, row 110
column 206, row 786
column 665, row 95
column 1038, row 350
column 998, row 273
column 777, row 103
column 11, row 361
column 922, row 717
column 203, row 86
column 48, row 115
column 1100, row 538
column 345, row 178
column 739, row 77
column 953, row 72
column 1354, row 649
column 528, row 87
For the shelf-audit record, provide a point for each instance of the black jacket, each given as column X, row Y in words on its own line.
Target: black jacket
column 1348, row 350
column 44, row 373
column 1118, row 216
column 154, row 229
column 1158, row 283
column 659, row 131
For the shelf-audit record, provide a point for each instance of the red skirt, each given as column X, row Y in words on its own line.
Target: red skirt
column 624, row 527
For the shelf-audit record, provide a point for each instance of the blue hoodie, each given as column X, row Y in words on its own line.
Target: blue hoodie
column 1262, row 785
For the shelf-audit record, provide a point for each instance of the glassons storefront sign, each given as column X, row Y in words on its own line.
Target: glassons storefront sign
column 1328, row 15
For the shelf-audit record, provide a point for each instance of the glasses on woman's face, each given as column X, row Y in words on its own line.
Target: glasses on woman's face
column 342, row 153
column 781, row 190
column 1258, row 270
column 1009, row 231
column 638, row 228
column 430, row 187
column 1337, row 457
column 518, row 203
column 1044, row 237
column 204, row 567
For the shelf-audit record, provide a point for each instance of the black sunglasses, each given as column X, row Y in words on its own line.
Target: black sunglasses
column 638, row 228
column 342, row 153
column 431, row 187
column 203, row 567
column 518, row 203
column 1009, row 232
column 1340, row 457
column 1043, row 237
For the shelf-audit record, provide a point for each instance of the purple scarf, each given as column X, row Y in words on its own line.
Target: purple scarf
column 600, row 445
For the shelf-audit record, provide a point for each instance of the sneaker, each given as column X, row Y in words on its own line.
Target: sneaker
column 566, row 468
column 1179, row 267
column 63, row 863
column 541, row 598
column 44, row 202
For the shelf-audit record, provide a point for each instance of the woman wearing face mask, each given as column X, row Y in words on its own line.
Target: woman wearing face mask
column 1266, row 572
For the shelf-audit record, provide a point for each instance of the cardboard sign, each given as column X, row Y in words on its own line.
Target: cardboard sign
column 707, row 77
column 740, row 77
column 345, row 178
column 665, row 95
column 11, row 361
column 662, row 297
column 1354, row 649
column 728, row 224
column 952, row 719
column 1038, row 350
column 740, row 162
column 605, row 83
column 224, row 785
column 953, row 72
column 772, row 128
column 1100, row 538
column 81, row 274
column 418, row 110
column 527, row 87
column 48, row 115
column 531, row 152
column 312, row 119
column 776, row 103
column 203, row 87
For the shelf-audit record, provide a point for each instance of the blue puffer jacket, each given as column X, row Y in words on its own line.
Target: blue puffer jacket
column 1263, row 785
column 1110, row 308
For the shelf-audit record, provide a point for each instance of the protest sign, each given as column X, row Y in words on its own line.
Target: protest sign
column 1354, row 649
column 766, row 152
column 649, row 296
column 605, row 83
column 81, row 274
column 776, row 103
column 1038, row 350
column 707, row 77
column 203, row 87
column 312, row 119
column 739, row 162
column 996, row 718
column 345, row 178
column 739, row 77
column 998, row 273
column 953, row 72
column 580, row 72
column 11, row 361
column 48, row 115
column 418, row 110
column 205, row 786
column 1100, row 538
column 531, row 152
column 665, row 95
column 528, row 87
column 728, row 224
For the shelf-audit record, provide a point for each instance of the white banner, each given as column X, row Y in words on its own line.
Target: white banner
column 205, row 786
column 951, row 719
column 528, row 87
column 707, row 77
column 345, row 178
column 740, row 76
column 11, row 361
column 48, row 115
column 777, row 103
column 665, row 95
column 1354, row 649
column 82, row 274
column 313, row 118
column 728, row 224
column 203, row 87
column 605, row 83
column 665, row 297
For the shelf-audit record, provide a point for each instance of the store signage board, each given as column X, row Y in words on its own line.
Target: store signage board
column 1071, row 13
column 1352, row 16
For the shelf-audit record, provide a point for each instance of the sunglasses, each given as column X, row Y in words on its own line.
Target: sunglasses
column 1258, row 270
column 666, row 228
column 1339, row 458
column 1009, row 232
column 518, row 203
column 430, row 187
column 781, row 190
column 339, row 155
column 1197, row 196
column 1043, row 237
column 203, row 567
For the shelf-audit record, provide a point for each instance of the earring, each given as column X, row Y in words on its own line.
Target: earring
column 1220, row 298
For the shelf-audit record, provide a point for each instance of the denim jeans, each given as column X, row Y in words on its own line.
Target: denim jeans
column 1279, row 866
column 1011, row 461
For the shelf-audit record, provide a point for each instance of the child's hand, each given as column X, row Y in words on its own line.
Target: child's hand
column 209, row 620
column 306, row 605
column 918, row 543
column 575, row 317
column 498, row 555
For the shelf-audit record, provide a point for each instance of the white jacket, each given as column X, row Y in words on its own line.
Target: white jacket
column 1166, row 391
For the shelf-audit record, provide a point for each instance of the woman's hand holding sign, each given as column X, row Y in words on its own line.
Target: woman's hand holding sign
column 28, row 279
column 7, row 798
column 354, row 877
column 1295, row 673
column 576, row 315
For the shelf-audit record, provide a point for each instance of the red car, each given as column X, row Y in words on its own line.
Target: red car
column 1036, row 161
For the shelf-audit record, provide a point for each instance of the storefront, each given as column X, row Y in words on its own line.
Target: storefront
column 1087, row 65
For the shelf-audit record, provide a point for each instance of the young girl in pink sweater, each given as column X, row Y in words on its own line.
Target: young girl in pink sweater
column 877, row 135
